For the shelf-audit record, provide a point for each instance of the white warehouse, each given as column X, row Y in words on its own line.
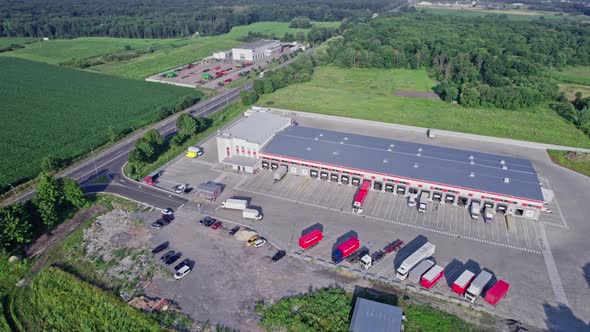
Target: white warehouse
column 256, row 50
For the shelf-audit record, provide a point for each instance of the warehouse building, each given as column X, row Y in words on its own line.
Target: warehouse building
column 459, row 177
column 256, row 50
column 371, row 316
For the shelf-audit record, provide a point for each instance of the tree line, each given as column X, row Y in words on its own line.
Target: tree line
column 164, row 18
column 483, row 61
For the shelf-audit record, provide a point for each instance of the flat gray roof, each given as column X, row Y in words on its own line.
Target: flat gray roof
column 371, row 316
column 453, row 167
column 257, row 44
column 258, row 127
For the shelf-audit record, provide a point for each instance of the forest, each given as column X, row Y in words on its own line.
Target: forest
column 165, row 18
column 486, row 61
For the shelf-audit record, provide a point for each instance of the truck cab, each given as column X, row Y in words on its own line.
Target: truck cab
column 423, row 202
column 412, row 200
column 475, row 210
column 366, row 262
column 488, row 214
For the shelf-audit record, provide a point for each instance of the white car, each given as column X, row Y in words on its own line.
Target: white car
column 182, row 272
column 168, row 211
column 179, row 189
column 546, row 210
column 259, row 243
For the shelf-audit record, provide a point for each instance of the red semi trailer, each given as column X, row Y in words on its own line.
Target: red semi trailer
column 461, row 284
column 345, row 249
column 433, row 276
column 497, row 292
column 310, row 239
column 361, row 194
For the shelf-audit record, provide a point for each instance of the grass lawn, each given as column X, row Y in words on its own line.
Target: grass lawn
column 169, row 53
column 571, row 89
column 576, row 161
column 7, row 41
column 513, row 14
column 369, row 94
column 576, row 75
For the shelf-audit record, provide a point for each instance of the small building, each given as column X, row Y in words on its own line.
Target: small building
column 240, row 145
column 256, row 50
column 371, row 316
column 209, row 190
column 222, row 55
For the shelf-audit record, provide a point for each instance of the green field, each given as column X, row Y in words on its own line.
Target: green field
column 576, row 161
column 168, row 53
column 514, row 14
column 370, row 94
column 571, row 90
column 49, row 110
column 576, row 75
column 58, row 301
column 5, row 41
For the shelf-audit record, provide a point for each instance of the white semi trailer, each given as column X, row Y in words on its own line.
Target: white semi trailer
column 477, row 286
column 414, row 259
column 234, row 204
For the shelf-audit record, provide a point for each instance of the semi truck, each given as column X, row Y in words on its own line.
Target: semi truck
column 433, row 276
column 345, row 249
column 251, row 214
column 310, row 239
column 416, row 273
column 280, row 172
column 475, row 209
column 478, row 285
column 423, row 202
column 412, row 199
column 497, row 292
column 368, row 260
column 416, row 257
column 461, row 284
column 360, row 196
column 356, row 256
column 151, row 179
column 488, row 214
column 234, row 204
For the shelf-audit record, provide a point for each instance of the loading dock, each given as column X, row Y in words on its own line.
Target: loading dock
column 274, row 166
column 462, row 201
column 356, row 181
column 389, row 188
column 378, row 186
column 344, row 179
column 501, row 208
column 324, row 175
column 334, row 177
column 449, row 198
column 437, row 197
column 413, row 191
column 313, row 173
column 265, row 164
column 401, row 190
column 488, row 205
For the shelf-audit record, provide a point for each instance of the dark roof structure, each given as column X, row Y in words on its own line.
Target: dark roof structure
column 371, row 316
column 482, row 172
column 257, row 44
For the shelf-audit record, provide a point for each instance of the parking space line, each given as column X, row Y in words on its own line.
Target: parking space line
column 526, row 233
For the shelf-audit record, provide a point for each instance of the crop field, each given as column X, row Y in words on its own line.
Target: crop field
column 49, row 110
column 513, row 14
column 58, row 301
column 167, row 53
column 576, row 75
column 371, row 94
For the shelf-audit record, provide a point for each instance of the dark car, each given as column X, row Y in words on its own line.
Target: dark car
column 234, row 230
column 280, row 254
column 173, row 258
column 210, row 222
column 168, row 217
column 160, row 248
column 167, row 255
column 164, row 221
column 186, row 261
column 157, row 225
column 204, row 220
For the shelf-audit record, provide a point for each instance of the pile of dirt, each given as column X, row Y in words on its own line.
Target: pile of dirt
column 120, row 240
column 578, row 157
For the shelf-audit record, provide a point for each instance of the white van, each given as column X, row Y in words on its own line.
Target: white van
column 182, row 272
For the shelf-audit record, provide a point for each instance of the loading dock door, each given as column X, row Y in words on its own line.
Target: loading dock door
column 274, row 166
column 324, row 175
column 378, row 186
column 401, row 190
column 313, row 173
column 389, row 188
column 488, row 205
column 334, row 177
column 265, row 164
column 413, row 191
column 436, row 197
column 344, row 179
column 502, row 208
column 356, row 181
column 450, row 198
column 462, row 201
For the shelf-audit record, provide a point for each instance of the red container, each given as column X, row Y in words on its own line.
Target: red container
column 310, row 239
column 433, row 276
column 345, row 249
column 497, row 292
column 460, row 285
column 359, row 199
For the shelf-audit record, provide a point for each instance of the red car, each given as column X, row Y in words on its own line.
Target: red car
column 216, row 225
column 216, row 67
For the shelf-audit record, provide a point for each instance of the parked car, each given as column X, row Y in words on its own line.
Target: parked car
column 280, row 254
column 210, row 222
column 186, row 261
column 234, row 230
column 204, row 220
column 160, row 248
column 167, row 255
column 164, row 221
column 168, row 217
column 260, row 242
column 216, row 225
column 168, row 211
column 251, row 241
column 173, row 258
column 157, row 225
column 179, row 189
column 183, row 271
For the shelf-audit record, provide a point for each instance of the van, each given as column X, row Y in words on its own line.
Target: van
column 182, row 272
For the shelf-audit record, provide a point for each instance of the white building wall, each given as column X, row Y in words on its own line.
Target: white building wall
column 233, row 146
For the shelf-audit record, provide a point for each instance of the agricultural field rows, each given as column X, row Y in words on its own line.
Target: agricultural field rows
column 514, row 14
column 64, row 112
column 382, row 95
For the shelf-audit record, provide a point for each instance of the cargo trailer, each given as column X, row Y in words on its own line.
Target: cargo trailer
column 280, row 172
column 251, row 214
column 345, row 249
column 497, row 292
column 478, row 285
column 420, row 269
column 475, row 210
column 433, row 276
column 310, row 239
column 461, row 284
column 234, row 204
column 360, row 196
column 414, row 259
column 423, row 202
column 488, row 214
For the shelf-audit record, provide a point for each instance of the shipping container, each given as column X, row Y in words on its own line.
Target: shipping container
column 433, row 276
column 461, row 284
column 310, row 239
column 497, row 292
column 346, row 248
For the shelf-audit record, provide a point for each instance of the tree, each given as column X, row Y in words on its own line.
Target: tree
column 259, row 86
column 248, row 97
column 300, row 22
column 73, row 193
column 186, row 124
column 469, row 97
column 15, row 226
column 268, row 85
column 49, row 199
column 153, row 138
column 50, row 164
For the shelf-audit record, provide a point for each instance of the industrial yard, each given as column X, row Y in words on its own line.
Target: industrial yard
column 296, row 204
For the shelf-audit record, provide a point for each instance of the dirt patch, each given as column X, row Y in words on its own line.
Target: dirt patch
column 416, row 94
column 579, row 157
